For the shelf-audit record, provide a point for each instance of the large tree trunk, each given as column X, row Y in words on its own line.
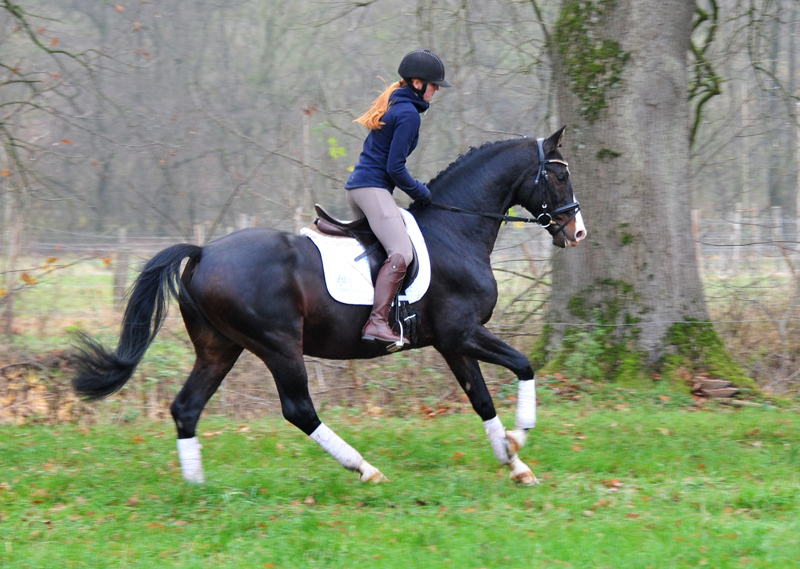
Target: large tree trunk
column 621, row 74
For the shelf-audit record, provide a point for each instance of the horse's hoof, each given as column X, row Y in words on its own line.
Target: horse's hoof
column 525, row 479
column 368, row 473
column 376, row 478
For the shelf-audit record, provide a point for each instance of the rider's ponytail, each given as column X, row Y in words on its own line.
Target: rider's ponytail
column 372, row 118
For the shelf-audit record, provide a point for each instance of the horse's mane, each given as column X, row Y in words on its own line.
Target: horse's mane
column 464, row 160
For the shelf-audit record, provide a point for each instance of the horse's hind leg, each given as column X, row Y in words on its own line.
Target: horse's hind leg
column 216, row 355
column 291, row 381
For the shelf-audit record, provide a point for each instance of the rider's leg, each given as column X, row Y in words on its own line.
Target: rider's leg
column 387, row 223
column 385, row 219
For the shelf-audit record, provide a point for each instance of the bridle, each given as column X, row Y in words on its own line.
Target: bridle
column 544, row 219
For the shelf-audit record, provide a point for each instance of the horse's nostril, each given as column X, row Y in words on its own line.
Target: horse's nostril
column 580, row 235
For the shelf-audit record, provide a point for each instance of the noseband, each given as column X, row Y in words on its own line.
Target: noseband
column 544, row 219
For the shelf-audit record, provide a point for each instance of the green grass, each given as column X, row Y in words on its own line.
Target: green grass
column 645, row 484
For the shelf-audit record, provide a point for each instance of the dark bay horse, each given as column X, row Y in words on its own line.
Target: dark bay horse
column 264, row 291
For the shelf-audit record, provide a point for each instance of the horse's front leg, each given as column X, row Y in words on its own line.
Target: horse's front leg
column 486, row 347
column 469, row 376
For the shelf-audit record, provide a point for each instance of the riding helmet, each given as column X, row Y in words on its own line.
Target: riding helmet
column 423, row 64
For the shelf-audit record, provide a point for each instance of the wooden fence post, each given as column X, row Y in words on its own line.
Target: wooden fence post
column 243, row 221
column 13, row 224
column 122, row 266
column 736, row 238
column 797, row 187
column 696, row 237
column 199, row 234
column 776, row 222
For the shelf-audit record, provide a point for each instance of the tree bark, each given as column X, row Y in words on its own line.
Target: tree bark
column 628, row 146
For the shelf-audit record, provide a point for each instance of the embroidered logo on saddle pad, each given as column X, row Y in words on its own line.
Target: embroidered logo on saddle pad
column 349, row 281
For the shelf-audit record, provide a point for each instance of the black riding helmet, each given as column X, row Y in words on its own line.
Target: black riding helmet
column 422, row 64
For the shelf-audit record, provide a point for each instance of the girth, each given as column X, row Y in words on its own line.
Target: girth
column 361, row 232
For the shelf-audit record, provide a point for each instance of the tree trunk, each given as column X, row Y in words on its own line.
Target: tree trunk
column 622, row 83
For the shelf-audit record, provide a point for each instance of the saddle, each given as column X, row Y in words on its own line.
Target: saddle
column 361, row 232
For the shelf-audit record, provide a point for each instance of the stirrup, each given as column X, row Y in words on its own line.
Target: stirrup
column 401, row 342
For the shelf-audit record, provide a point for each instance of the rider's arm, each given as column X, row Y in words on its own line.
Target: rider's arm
column 406, row 130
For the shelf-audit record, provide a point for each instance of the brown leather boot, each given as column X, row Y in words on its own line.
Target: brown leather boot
column 389, row 278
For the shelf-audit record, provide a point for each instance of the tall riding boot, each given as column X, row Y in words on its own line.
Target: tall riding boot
column 389, row 278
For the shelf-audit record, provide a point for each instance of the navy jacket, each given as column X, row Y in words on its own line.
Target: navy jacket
column 382, row 163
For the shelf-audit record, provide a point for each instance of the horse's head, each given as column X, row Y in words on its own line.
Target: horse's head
column 546, row 191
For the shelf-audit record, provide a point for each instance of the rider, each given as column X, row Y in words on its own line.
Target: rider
column 393, row 121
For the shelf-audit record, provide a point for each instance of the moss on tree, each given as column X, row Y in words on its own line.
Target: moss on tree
column 696, row 347
column 593, row 64
column 606, row 347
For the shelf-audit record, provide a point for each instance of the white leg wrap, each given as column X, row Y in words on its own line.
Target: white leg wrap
column 346, row 455
column 191, row 460
column 526, row 415
column 497, row 438
column 526, row 405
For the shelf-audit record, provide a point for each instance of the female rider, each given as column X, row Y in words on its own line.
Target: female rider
column 393, row 121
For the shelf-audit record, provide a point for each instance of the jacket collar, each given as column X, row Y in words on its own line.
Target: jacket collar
column 406, row 95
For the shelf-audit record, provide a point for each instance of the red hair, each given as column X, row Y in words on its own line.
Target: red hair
column 372, row 118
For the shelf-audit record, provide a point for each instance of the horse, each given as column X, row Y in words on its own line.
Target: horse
column 264, row 291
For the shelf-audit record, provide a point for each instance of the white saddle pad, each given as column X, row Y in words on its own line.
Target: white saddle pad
column 349, row 281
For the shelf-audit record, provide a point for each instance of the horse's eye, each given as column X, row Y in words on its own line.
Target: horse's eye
column 561, row 177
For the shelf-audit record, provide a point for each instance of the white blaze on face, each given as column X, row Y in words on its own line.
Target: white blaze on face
column 580, row 228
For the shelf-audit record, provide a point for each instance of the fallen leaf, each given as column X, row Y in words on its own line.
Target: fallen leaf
column 54, row 41
column 5, row 172
column 663, row 431
column 119, row 8
column 458, row 455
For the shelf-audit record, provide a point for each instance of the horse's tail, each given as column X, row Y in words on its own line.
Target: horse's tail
column 100, row 372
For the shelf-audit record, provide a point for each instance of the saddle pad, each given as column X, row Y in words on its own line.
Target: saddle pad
column 349, row 281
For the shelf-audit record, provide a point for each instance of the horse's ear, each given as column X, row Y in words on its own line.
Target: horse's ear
column 554, row 141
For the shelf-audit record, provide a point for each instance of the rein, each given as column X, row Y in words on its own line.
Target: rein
column 544, row 219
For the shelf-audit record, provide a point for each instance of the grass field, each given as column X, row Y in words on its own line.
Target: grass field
column 640, row 481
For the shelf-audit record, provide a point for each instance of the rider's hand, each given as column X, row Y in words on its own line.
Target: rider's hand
column 426, row 201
